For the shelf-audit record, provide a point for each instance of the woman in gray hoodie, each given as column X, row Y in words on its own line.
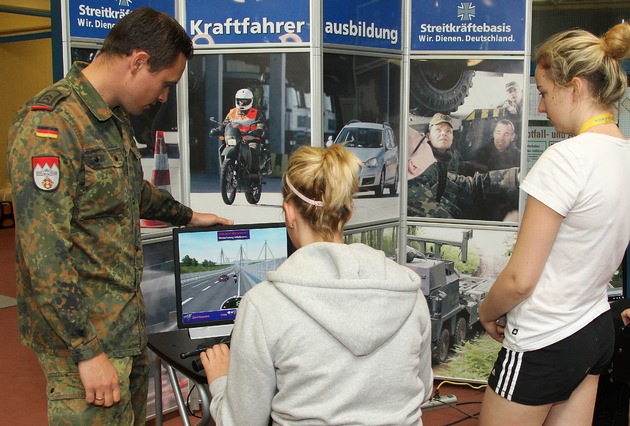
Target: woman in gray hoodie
column 339, row 334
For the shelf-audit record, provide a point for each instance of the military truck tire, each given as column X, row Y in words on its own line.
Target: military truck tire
column 436, row 88
column 461, row 327
column 443, row 345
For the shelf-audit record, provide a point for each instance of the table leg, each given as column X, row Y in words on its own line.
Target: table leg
column 205, row 404
column 178, row 395
column 157, row 384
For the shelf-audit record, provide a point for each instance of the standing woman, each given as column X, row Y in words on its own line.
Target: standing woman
column 576, row 226
column 339, row 334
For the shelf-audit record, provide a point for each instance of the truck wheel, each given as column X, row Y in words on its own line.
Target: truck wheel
column 443, row 345
column 436, row 88
column 461, row 328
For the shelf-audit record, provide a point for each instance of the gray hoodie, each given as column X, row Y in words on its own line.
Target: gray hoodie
column 338, row 335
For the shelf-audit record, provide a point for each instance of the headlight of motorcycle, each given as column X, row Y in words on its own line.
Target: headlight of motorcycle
column 372, row 162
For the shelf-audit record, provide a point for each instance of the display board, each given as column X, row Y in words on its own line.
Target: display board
column 465, row 149
column 463, row 263
column 92, row 19
column 473, row 26
column 249, row 23
column 338, row 69
column 473, row 173
column 363, row 23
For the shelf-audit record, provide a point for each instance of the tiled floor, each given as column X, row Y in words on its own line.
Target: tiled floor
column 23, row 400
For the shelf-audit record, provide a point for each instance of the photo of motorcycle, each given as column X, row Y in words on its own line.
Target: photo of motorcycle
column 237, row 152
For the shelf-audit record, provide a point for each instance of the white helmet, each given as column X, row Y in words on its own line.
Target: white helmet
column 244, row 99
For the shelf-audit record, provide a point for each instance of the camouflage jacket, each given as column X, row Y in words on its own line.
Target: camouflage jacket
column 492, row 159
column 437, row 193
column 79, row 196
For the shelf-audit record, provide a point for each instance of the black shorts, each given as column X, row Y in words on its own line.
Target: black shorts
column 551, row 374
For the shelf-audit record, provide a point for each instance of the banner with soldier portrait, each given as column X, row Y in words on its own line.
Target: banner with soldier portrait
column 464, row 149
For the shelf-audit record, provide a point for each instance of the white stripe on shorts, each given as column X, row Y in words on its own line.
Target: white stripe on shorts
column 510, row 369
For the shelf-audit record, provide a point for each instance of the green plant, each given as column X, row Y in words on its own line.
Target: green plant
column 474, row 358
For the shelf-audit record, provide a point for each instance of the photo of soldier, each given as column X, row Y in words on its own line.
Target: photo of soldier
column 431, row 147
column 500, row 152
column 513, row 107
column 436, row 190
column 514, row 102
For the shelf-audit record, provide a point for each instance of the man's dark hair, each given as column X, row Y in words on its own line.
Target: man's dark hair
column 505, row 122
column 151, row 31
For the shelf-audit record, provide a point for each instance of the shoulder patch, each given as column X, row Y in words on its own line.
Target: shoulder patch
column 46, row 172
column 48, row 100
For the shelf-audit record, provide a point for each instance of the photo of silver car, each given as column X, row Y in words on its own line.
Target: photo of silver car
column 376, row 147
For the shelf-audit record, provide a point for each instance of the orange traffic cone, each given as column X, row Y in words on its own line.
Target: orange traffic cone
column 6, row 215
column 160, row 177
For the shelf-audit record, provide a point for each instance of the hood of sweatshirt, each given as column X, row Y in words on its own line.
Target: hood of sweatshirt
column 353, row 291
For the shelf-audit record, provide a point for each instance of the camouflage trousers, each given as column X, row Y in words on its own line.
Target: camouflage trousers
column 66, row 395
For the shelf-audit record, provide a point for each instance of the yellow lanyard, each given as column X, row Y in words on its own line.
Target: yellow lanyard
column 599, row 119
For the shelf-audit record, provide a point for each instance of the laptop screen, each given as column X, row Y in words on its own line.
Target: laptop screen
column 216, row 266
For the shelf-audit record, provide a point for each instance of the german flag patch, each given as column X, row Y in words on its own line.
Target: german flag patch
column 47, row 132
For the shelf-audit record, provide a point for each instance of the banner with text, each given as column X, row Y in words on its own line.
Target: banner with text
column 225, row 22
column 480, row 25
column 539, row 138
column 364, row 23
column 94, row 18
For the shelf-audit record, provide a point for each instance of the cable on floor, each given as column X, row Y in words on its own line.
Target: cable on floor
column 470, row 385
column 190, row 412
column 436, row 396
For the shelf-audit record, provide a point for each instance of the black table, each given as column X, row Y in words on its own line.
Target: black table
column 168, row 346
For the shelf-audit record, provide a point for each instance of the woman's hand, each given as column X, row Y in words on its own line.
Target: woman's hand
column 216, row 361
column 495, row 328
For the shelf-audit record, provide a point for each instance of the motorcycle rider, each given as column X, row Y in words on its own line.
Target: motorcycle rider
column 248, row 119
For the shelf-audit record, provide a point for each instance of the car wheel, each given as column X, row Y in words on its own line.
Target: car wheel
column 393, row 190
column 380, row 189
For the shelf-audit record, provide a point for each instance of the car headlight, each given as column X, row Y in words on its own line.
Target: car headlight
column 372, row 162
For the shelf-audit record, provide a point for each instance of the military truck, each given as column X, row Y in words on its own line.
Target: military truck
column 453, row 299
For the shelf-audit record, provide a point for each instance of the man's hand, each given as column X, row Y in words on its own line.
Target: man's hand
column 208, row 219
column 216, row 361
column 625, row 317
column 100, row 381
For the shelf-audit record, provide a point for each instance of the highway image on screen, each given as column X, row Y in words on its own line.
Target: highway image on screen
column 218, row 267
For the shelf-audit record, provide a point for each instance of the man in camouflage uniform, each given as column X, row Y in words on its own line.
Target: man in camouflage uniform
column 437, row 192
column 500, row 152
column 79, row 196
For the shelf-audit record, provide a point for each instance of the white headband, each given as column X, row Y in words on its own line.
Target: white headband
column 302, row 196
